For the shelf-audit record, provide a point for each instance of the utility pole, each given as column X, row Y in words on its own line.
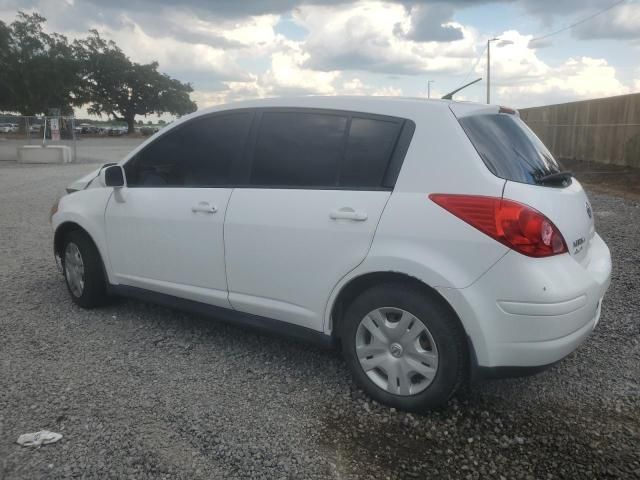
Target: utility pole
column 501, row 44
column 429, row 82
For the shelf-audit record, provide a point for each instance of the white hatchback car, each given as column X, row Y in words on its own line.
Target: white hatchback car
column 435, row 241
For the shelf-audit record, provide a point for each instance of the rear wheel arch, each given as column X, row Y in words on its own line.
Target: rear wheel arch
column 361, row 283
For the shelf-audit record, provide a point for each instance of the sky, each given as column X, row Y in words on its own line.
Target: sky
column 240, row 49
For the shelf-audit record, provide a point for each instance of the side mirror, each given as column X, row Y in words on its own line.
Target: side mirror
column 114, row 176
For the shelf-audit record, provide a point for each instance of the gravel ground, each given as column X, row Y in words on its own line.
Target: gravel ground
column 141, row 391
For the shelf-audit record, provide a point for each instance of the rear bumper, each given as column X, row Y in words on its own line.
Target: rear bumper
column 527, row 312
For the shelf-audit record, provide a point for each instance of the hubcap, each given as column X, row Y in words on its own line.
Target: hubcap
column 74, row 269
column 396, row 351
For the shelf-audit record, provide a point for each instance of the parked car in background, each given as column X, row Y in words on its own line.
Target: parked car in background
column 147, row 131
column 87, row 129
column 116, row 131
column 432, row 240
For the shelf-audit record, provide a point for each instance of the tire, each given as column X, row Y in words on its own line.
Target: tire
column 422, row 373
column 91, row 292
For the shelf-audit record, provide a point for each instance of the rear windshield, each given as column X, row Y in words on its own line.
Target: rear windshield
column 509, row 148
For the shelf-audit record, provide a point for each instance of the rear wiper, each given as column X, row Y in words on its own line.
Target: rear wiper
column 564, row 176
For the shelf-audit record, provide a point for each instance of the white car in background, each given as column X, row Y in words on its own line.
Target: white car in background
column 432, row 240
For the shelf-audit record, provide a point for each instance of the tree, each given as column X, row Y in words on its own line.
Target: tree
column 162, row 122
column 122, row 89
column 38, row 71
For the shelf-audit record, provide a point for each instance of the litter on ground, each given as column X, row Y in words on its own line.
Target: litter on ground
column 43, row 437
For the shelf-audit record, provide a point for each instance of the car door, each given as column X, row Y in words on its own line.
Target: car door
column 165, row 228
column 317, row 186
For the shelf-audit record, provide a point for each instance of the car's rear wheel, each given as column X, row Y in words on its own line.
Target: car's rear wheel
column 83, row 271
column 404, row 347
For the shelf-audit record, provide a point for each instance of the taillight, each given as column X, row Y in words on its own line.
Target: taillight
column 518, row 226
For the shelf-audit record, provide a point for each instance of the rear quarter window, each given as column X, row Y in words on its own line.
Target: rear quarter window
column 509, row 149
column 368, row 151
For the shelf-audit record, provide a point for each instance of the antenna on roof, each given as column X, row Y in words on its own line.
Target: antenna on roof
column 449, row 96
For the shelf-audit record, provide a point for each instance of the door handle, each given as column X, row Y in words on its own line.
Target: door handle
column 347, row 213
column 204, row 207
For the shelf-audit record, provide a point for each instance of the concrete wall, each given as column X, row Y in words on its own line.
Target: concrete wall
column 604, row 130
column 89, row 149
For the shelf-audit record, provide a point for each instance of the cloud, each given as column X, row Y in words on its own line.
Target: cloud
column 514, row 61
column 549, row 9
column 575, row 79
column 287, row 76
column 211, row 9
column 364, row 37
column 540, row 43
column 520, row 78
column 355, row 86
column 622, row 22
column 431, row 23
column 177, row 57
column 233, row 9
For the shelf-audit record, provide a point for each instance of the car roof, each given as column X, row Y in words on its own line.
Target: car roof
column 406, row 107
column 359, row 103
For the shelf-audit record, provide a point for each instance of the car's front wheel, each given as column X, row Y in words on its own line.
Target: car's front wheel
column 404, row 347
column 83, row 271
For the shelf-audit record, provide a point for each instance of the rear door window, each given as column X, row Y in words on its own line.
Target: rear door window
column 298, row 149
column 326, row 149
column 509, row 148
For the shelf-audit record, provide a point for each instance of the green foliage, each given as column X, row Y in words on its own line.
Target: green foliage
column 122, row 89
column 38, row 71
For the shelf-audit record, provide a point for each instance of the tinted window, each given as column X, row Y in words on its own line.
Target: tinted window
column 509, row 148
column 298, row 149
column 199, row 153
column 368, row 151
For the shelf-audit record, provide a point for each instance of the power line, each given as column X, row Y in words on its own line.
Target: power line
column 474, row 65
column 494, row 34
column 579, row 22
column 550, row 34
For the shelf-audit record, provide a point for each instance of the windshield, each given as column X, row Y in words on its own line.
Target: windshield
column 509, row 148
